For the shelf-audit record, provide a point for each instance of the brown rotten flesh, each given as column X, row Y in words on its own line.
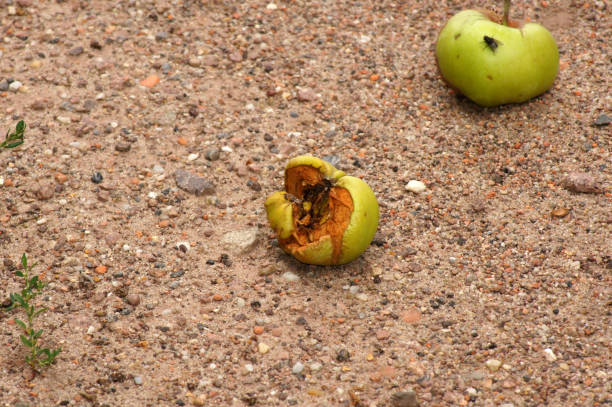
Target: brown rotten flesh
column 321, row 210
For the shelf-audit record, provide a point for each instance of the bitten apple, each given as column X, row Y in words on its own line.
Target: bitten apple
column 494, row 62
column 324, row 216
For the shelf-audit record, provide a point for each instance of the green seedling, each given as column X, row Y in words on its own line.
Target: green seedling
column 15, row 138
column 37, row 357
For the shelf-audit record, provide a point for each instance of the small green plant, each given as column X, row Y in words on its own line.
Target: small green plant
column 15, row 138
column 37, row 357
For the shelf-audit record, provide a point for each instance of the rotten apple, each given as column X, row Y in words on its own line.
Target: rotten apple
column 323, row 216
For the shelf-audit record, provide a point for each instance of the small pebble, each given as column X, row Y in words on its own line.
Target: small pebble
column 97, row 178
column 581, row 182
column 289, row 276
column 15, row 85
column 263, row 348
column 550, row 355
column 306, row 95
column 297, row 368
column 76, row 51
column 133, row 299
column 193, row 184
column 603, row 120
column 138, row 380
column 404, row 399
column 415, row 186
column 212, row 154
column 241, row 241
column 493, row 365
column 343, row 355
column 123, row 146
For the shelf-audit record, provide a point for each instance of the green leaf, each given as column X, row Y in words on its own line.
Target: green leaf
column 33, row 282
column 25, row 341
column 21, row 323
column 24, row 261
column 20, row 128
column 39, row 311
column 19, row 274
column 19, row 299
column 13, row 145
column 37, row 334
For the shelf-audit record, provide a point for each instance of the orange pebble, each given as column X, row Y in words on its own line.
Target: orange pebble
column 258, row 330
column 101, row 269
column 150, row 81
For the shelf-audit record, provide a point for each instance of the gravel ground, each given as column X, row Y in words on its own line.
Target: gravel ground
column 157, row 128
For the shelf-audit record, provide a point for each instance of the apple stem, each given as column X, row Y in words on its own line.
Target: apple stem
column 506, row 12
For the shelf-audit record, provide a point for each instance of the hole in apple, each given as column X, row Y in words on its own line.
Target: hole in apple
column 321, row 210
column 457, row 36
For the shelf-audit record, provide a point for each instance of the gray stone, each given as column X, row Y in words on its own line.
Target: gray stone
column 193, row 184
column 161, row 36
column 404, row 399
column 603, row 120
column 123, row 146
column 212, row 154
column 76, row 51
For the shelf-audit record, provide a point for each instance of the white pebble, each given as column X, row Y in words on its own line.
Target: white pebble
column 227, row 149
column 152, row 195
column 361, row 296
column 316, row 366
column 415, row 186
column 138, row 380
column 493, row 365
column 158, row 169
column 271, row 6
column 263, row 348
column 192, row 157
column 249, row 368
column 297, row 368
column 550, row 355
column 15, row 85
column 100, row 96
column 63, row 119
column 91, row 329
column 289, row 276
column 240, row 302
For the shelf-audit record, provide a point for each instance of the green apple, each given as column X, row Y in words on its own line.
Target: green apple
column 323, row 216
column 494, row 63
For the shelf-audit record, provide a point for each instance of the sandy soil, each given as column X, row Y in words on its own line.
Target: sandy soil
column 491, row 288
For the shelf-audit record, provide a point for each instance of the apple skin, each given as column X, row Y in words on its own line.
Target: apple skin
column 522, row 66
column 356, row 237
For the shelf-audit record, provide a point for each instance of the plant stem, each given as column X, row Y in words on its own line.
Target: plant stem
column 506, row 17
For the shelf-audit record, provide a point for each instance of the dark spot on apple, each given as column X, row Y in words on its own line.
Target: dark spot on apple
column 489, row 77
column 457, row 35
